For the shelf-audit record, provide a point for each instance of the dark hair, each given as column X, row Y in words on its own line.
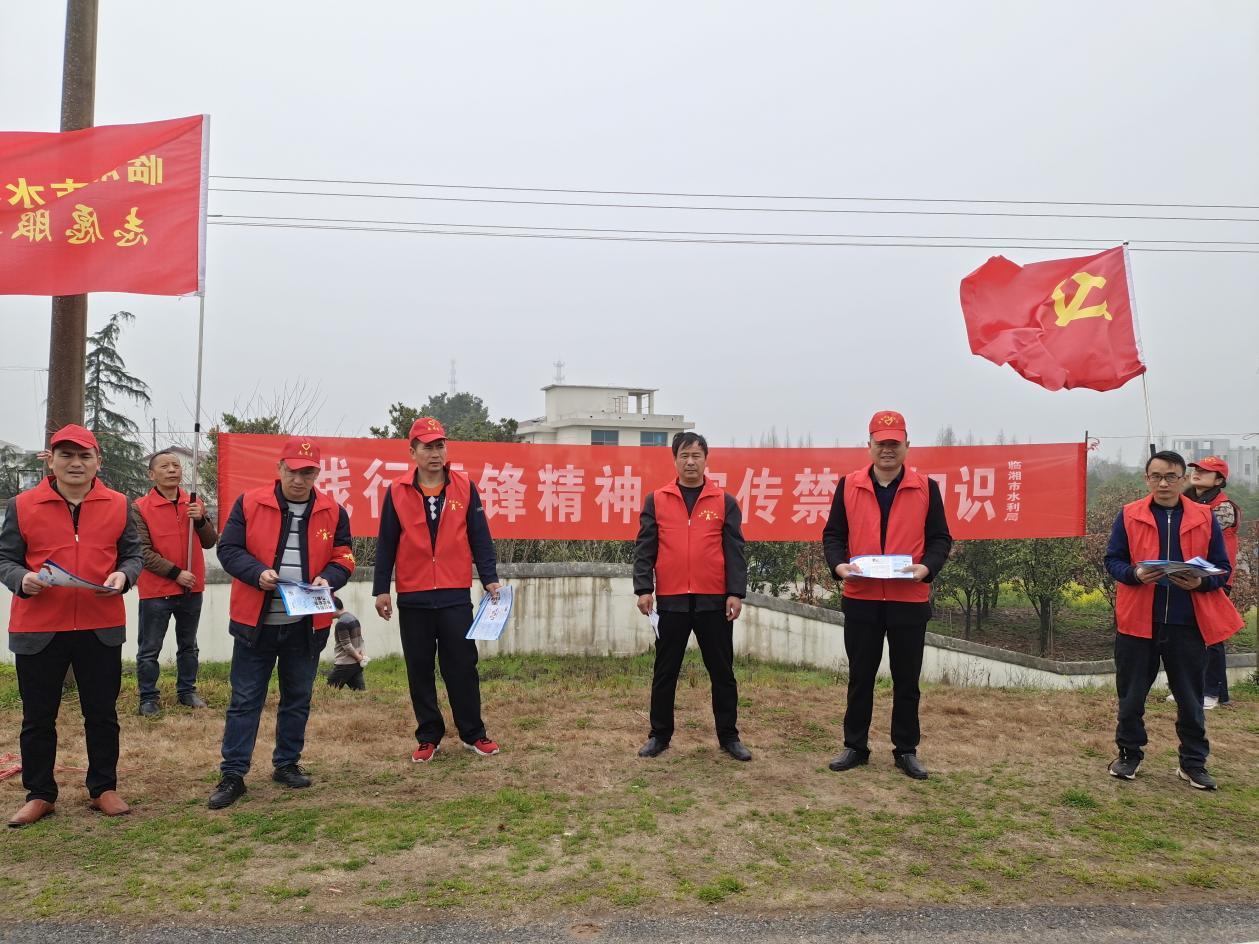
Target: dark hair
column 685, row 438
column 169, row 451
column 1174, row 458
column 336, row 602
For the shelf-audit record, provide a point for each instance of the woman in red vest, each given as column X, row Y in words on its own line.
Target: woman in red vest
column 1166, row 617
column 1207, row 479
column 432, row 527
column 163, row 518
column 72, row 519
column 885, row 509
column 690, row 540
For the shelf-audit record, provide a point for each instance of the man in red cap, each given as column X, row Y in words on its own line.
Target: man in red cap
column 885, row 509
column 284, row 531
column 1207, row 479
column 74, row 520
column 432, row 529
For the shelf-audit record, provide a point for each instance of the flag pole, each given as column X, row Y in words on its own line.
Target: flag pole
column 196, row 415
column 1136, row 331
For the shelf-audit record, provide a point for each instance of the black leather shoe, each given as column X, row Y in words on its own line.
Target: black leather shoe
column 193, row 700
column 150, row 709
column 849, row 759
column 653, row 748
column 736, row 750
column 911, row 767
column 291, row 775
column 230, row 789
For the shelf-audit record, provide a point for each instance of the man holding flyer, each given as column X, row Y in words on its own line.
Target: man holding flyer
column 432, row 527
column 68, row 551
column 883, row 512
column 287, row 546
column 1165, row 613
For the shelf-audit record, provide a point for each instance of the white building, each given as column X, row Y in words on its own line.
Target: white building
column 1243, row 461
column 608, row 416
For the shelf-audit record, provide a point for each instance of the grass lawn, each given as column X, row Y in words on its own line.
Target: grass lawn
column 567, row 821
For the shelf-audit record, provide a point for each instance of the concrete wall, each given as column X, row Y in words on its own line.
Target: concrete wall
column 588, row 609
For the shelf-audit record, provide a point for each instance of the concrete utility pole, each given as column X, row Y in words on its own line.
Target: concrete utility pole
column 67, row 349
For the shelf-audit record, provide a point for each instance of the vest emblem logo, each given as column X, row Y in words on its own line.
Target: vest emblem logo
column 324, row 534
column 708, row 515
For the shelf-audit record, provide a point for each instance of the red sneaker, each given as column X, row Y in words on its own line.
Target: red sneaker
column 424, row 752
column 483, row 746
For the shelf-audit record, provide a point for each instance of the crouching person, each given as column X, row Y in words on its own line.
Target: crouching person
column 287, row 530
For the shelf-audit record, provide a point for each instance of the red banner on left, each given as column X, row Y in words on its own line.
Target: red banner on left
column 120, row 208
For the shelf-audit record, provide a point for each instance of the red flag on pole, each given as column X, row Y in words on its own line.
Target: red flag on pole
column 1063, row 323
column 119, row 208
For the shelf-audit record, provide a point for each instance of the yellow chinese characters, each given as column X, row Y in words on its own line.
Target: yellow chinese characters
column 67, row 187
column 33, row 226
column 145, row 170
column 87, row 228
column 132, row 233
column 29, row 194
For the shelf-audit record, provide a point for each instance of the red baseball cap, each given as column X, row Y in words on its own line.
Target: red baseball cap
column 427, row 429
column 79, row 435
column 888, row 424
column 300, row 453
column 1212, row 464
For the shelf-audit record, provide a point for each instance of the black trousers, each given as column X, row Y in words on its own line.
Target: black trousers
column 863, row 641
column 342, row 676
column 1184, row 657
column 715, row 635
column 98, row 675
column 440, row 633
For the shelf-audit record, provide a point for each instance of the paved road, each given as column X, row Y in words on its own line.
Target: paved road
column 1190, row 924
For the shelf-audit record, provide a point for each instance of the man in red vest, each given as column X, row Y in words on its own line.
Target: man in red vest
column 163, row 519
column 75, row 521
column 690, row 538
column 1207, row 479
column 432, row 528
column 286, row 531
column 1166, row 617
column 885, row 509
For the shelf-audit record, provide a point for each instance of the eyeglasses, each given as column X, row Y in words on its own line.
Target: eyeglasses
column 1171, row 478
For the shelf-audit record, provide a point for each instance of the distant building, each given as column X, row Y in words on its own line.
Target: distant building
column 602, row 416
column 1243, row 461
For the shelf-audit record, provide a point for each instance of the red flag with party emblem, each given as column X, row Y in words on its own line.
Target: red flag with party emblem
column 1064, row 323
column 119, row 208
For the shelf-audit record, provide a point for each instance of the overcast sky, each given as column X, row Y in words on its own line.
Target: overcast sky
column 1140, row 102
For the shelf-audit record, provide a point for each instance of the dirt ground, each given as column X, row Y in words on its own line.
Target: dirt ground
column 567, row 821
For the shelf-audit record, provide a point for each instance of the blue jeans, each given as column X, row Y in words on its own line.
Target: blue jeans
column 155, row 615
column 290, row 647
column 1184, row 656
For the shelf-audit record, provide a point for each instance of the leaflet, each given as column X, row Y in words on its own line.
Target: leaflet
column 491, row 615
column 55, row 575
column 304, row 599
column 654, row 619
column 1195, row 565
column 885, row 566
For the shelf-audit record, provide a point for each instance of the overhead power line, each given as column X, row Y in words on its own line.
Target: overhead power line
column 729, row 209
column 733, row 196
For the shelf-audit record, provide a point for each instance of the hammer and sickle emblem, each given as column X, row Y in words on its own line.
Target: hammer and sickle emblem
column 1069, row 311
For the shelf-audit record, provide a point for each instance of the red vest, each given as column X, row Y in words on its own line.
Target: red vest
column 169, row 528
column 1230, row 533
column 906, row 533
column 46, row 526
column 263, row 521
column 419, row 565
column 1134, row 606
column 690, row 558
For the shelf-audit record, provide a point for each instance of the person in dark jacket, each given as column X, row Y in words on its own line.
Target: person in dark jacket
column 1207, row 480
column 285, row 531
column 1167, row 616
column 885, row 509
column 432, row 528
column 690, row 552
column 72, row 519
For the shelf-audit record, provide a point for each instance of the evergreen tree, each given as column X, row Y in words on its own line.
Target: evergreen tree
column 464, row 415
column 123, row 464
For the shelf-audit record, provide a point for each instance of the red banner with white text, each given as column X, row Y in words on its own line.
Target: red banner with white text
column 119, row 208
column 561, row 492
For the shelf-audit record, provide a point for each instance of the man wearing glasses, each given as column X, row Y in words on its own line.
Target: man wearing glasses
column 1166, row 617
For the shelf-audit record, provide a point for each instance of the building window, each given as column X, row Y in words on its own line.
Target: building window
column 653, row 439
column 604, row 437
